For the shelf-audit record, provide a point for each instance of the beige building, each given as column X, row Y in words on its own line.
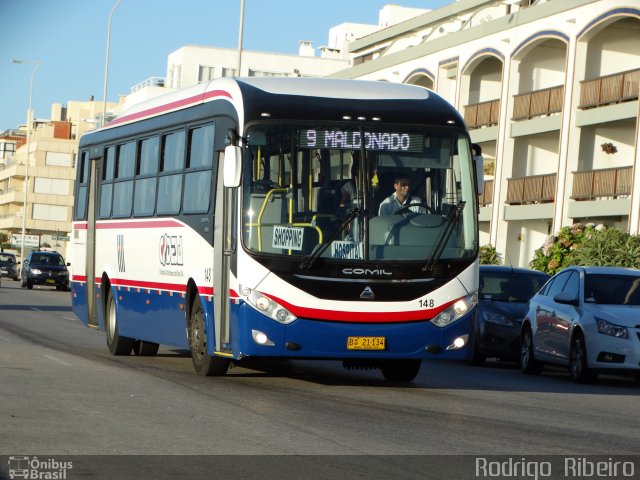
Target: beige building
column 52, row 154
column 549, row 89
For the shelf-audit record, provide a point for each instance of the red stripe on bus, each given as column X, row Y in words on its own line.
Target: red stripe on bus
column 139, row 224
column 170, row 106
column 122, row 282
column 362, row 317
column 131, row 224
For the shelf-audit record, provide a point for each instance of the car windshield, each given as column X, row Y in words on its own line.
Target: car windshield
column 612, row 289
column 53, row 260
column 308, row 193
column 510, row 286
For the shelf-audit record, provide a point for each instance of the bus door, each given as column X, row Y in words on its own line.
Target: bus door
column 95, row 159
column 224, row 246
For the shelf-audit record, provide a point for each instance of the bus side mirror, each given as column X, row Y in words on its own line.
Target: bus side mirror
column 478, row 165
column 232, row 166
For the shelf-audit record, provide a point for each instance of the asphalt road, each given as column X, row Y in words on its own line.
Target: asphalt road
column 62, row 393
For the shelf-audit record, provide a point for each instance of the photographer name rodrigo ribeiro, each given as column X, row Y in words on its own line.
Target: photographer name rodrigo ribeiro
column 571, row 467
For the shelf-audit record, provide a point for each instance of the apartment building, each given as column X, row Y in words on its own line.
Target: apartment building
column 51, row 157
column 192, row 64
column 549, row 90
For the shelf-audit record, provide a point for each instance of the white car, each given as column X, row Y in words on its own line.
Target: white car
column 586, row 318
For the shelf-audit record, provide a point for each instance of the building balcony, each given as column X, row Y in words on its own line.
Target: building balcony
column 487, row 194
column 610, row 89
column 530, row 190
column 482, row 114
column 538, row 103
column 603, row 183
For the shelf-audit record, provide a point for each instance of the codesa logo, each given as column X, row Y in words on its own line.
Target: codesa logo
column 171, row 250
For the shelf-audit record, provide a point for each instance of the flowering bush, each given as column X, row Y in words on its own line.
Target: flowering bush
column 489, row 255
column 588, row 244
column 557, row 251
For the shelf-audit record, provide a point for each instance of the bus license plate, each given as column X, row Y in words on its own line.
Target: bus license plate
column 365, row 343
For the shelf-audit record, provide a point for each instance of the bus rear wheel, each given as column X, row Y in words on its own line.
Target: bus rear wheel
column 118, row 345
column 145, row 349
column 204, row 364
column 400, row 370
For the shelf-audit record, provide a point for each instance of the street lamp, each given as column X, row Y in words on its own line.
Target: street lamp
column 26, row 168
column 106, row 64
column 240, row 31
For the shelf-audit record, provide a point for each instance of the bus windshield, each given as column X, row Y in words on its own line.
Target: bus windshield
column 342, row 193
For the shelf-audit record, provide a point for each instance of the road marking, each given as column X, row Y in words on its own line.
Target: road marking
column 68, row 318
column 57, row 360
column 5, row 339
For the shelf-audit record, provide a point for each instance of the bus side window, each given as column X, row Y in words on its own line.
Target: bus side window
column 81, row 197
column 123, row 187
column 198, row 184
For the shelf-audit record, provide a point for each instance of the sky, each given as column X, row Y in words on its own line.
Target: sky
column 69, row 37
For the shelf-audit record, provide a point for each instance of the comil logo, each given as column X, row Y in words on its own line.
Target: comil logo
column 170, row 250
column 34, row 468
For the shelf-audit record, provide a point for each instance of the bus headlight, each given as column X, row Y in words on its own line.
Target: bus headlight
column 452, row 313
column 265, row 305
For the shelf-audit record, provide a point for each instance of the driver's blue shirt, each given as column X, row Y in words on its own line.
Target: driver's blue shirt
column 391, row 205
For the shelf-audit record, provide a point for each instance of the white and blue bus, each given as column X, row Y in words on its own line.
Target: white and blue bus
column 241, row 218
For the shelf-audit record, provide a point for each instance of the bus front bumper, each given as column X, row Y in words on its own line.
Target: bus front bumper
column 307, row 338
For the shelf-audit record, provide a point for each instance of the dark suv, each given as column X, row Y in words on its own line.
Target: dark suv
column 9, row 265
column 45, row 268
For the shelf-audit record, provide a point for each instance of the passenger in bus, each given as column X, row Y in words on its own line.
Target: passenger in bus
column 400, row 198
column 348, row 189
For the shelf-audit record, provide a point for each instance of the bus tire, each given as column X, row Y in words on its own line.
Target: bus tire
column 142, row 348
column 400, row 370
column 204, row 364
column 118, row 345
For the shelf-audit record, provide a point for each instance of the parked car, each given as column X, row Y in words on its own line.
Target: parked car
column 585, row 318
column 45, row 268
column 502, row 304
column 9, row 265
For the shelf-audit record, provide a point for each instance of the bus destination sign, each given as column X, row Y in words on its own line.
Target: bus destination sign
column 352, row 140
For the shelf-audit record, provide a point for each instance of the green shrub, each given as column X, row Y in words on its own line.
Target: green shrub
column 609, row 247
column 489, row 255
column 587, row 245
column 557, row 251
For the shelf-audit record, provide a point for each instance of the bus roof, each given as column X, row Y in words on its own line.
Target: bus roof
column 274, row 91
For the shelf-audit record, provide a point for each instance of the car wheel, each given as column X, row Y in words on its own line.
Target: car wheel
column 528, row 363
column 204, row 364
column 118, row 345
column 477, row 357
column 578, row 368
column 400, row 370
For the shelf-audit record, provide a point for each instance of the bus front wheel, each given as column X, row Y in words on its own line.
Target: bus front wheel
column 204, row 364
column 118, row 345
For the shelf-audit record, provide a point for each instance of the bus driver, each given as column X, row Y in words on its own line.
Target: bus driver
column 400, row 198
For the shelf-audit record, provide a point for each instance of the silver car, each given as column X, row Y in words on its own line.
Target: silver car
column 586, row 318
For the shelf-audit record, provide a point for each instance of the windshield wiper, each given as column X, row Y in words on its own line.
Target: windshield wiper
column 449, row 224
column 309, row 260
